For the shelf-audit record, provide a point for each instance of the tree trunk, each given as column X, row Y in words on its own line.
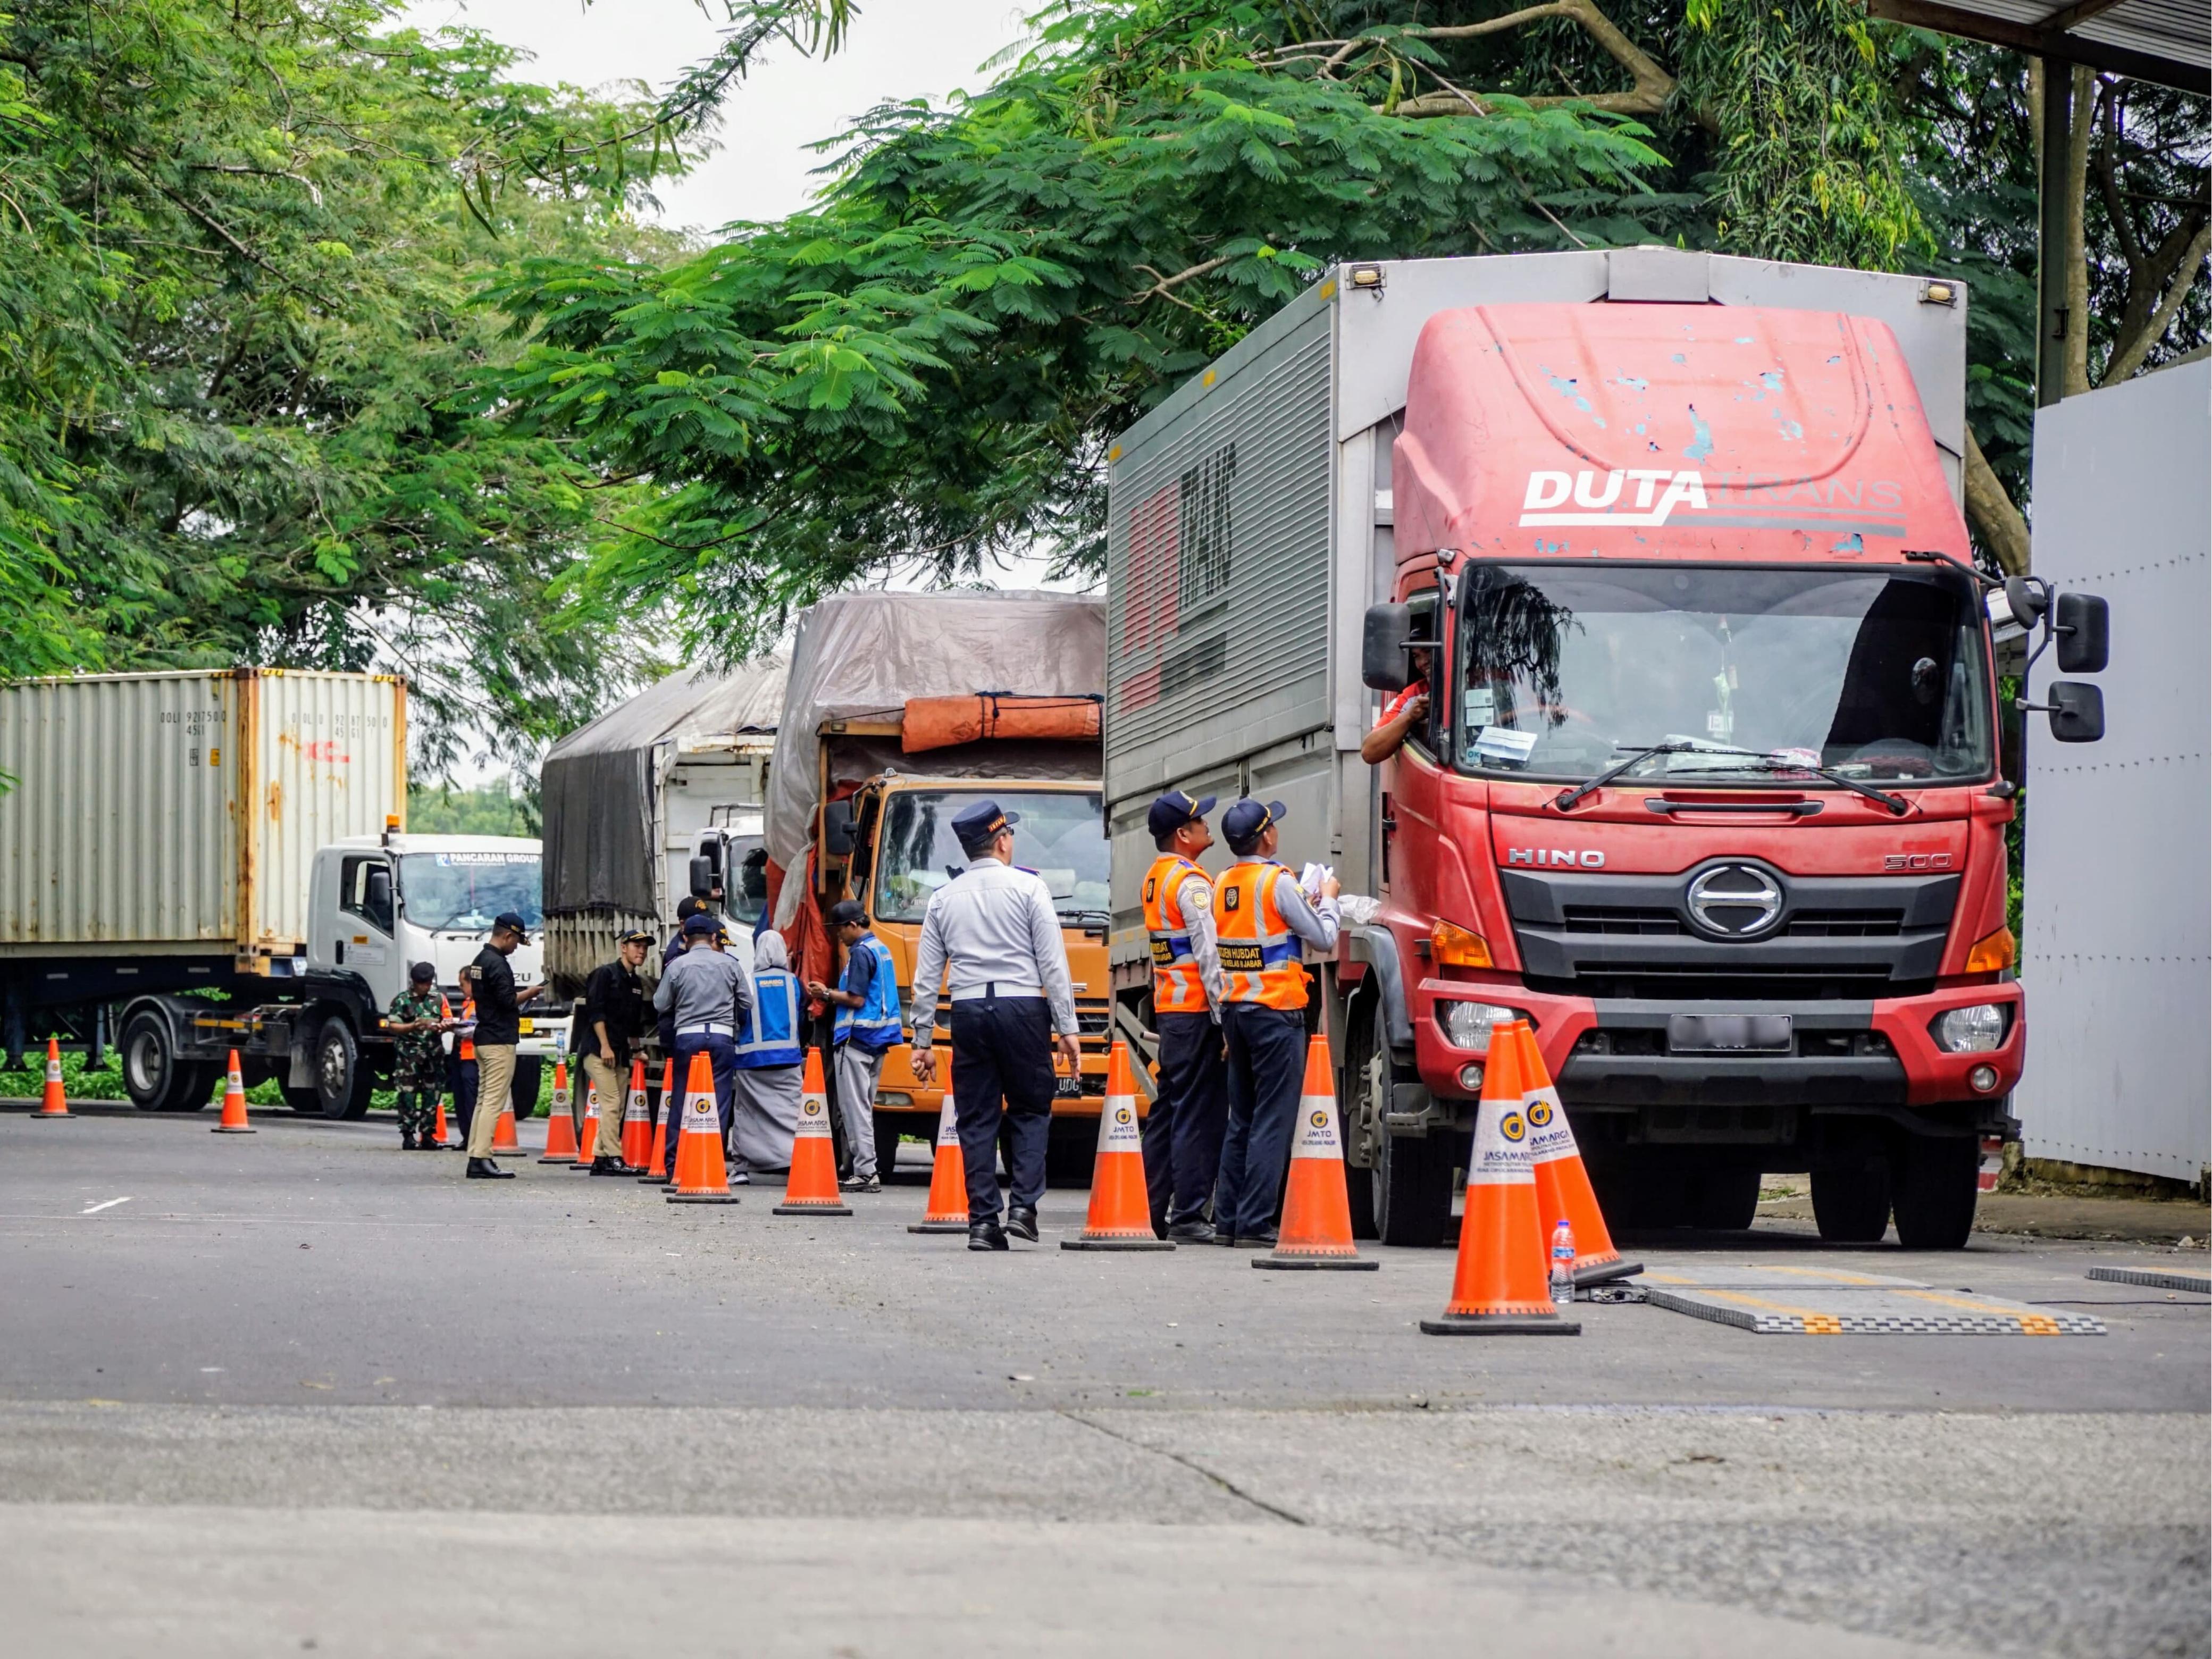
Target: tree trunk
column 2075, row 181
column 2003, row 531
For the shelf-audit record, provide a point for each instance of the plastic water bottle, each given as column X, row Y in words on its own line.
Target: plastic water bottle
column 1563, row 1267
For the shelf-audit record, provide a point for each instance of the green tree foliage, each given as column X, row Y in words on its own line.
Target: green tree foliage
column 493, row 809
column 238, row 240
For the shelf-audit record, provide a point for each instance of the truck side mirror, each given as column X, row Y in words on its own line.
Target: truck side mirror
column 2077, row 711
column 2083, row 623
column 2024, row 596
column 837, row 828
column 1383, row 662
column 702, row 877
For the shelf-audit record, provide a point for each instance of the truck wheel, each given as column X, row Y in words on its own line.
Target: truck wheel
column 153, row 1076
column 342, row 1080
column 890, row 1125
column 1937, row 1184
column 195, row 1086
column 1071, row 1153
column 1852, row 1206
column 1412, row 1183
column 1724, row 1200
column 1363, row 1043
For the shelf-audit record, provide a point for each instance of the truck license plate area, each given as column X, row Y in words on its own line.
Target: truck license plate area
column 1728, row 1033
column 1068, row 1088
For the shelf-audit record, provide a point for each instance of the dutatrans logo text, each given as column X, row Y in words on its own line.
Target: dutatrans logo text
column 1635, row 496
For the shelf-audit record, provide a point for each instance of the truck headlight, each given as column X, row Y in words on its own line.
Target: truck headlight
column 1970, row 1030
column 1466, row 1024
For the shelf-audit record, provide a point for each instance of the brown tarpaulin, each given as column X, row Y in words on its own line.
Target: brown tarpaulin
column 943, row 722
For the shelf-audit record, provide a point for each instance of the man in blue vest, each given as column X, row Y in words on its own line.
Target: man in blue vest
column 868, row 1007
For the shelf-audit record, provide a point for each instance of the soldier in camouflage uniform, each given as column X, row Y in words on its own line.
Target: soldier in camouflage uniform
column 418, row 1066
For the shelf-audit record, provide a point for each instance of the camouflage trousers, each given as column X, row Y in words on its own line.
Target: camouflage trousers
column 418, row 1112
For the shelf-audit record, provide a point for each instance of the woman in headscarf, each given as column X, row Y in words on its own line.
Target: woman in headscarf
column 768, row 1060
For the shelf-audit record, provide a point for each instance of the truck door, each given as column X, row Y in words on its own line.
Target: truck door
column 368, row 924
column 1412, row 803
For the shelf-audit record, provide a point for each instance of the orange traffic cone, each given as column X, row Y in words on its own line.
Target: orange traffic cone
column 1317, row 1230
column 811, row 1188
column 701, row 1177
column 1502, row 1286
column 948, row 1177
column 637, row 1120
column 560, row 1128
column 1121, row 1216
column 54, row 1102
column 503, row 1137
column 1563, row 1186
column 657, row 1155
column 438, row 1128
column 587, row 1144
column 233, row 1102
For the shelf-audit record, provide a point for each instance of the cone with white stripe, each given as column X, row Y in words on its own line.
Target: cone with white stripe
column 656, row 1158
column 1501, row 1285
column 587, row 1143
column 1317, row 1230
column 233, row 1102
column 53, row 1103
column 811, row 1187
column 637, row 1120
column 1121, row 1213
column 560, row 1128
column 1563, row 1185
column 701, row 1177
column 948, row 1176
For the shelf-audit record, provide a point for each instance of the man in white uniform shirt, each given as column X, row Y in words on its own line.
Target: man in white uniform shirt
column 994, row 934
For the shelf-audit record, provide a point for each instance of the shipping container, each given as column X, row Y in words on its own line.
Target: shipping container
column 178, row 813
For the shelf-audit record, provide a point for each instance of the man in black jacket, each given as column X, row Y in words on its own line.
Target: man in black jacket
column 614, row 1023
column 498, row 1029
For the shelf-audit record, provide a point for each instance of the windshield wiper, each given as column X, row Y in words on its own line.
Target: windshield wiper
column 1770, row 764
column 1567, row 798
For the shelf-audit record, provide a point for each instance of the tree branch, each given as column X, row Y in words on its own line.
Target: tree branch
column 1163, row 287
column 1653, row 88
column 2002, row 529
column 2125, row 361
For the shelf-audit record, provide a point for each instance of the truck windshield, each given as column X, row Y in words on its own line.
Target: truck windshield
column 1737, row 669
column 1059, row 836
column 461, row 892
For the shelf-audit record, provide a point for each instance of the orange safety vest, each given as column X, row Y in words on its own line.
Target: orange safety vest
column 468, row 1043
column 1178, row 987
column 1258, row 952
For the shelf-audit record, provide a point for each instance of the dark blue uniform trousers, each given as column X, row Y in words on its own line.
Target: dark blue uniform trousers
column 1267, row 1068
column 1184, row 1130
column 1002, row 1058
column 721, row 1053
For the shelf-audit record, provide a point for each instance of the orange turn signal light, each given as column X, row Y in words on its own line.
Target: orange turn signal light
column 1453, row 946
column 1993, row 952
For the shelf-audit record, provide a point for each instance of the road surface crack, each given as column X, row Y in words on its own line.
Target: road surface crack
column 1194, row 1467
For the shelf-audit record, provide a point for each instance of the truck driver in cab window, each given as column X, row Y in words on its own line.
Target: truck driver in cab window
column 1402, row 712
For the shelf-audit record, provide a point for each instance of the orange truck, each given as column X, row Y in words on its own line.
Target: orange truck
column 901, row 711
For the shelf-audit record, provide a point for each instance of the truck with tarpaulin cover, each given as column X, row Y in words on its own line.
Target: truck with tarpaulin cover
column 1708, row 786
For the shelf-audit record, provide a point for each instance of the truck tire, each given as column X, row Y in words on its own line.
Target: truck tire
column 1412, row 1182
column 889, row 1126
column 1935, row 1188
column 1361, row 1041
column 154, row 1077
column 1850, row 1205
column 1071, row 1153
column 1724, row 1200
column 196, row 1081
column 529, row 1083
column 341, row 1077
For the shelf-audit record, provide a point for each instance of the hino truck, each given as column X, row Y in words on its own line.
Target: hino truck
column 901, row 711
column 1707, row 788
column 197, row 863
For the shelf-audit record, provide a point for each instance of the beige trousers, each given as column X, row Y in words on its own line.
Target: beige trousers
column 495, row 1084
column 599, row 1074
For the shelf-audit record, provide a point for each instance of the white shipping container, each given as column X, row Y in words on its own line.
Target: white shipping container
column 178, row 813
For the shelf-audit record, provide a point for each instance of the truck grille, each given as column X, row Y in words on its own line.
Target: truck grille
column 1838, row 938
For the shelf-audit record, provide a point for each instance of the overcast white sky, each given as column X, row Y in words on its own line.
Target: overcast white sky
column 897, row 49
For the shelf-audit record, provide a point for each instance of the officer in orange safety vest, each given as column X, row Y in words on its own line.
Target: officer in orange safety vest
column 1261, row 919
column 1183, row 1131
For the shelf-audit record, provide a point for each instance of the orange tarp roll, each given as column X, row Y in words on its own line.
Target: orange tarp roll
column 942, row 722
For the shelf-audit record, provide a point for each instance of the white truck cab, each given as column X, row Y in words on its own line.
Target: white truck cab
column 377, row 905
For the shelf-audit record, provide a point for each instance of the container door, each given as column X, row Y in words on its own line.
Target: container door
column 329, row 751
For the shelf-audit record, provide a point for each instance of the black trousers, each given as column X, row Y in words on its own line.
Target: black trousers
column 1184, row 1130
column 1002, row 1060
column 461, row 1084
column 1267, row 1068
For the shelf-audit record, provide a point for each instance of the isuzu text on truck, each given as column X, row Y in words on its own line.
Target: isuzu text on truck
column 1708, row 788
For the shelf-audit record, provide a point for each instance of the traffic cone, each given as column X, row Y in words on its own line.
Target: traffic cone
column 1121, row 1216
column 1501, row 1285
column 503, row 1137
column 948, row 1177
column 587, row 1144
column 657, row 1154
column 811, row 1187
column 1317, row 1230
column 438, row 1128
column 233, row 1102
column 561, row 1127
column 53, row 1103
column 701, row 1177
column 1563, row 1185
column 637, row 1120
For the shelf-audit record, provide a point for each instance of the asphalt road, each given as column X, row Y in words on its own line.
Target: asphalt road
column 303, row 1390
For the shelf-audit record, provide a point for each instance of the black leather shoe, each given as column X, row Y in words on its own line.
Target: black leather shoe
column 1021, row 1222
column 482, row 1168
column 1196, row 1231
column 985, row 1235
column 610, row 1166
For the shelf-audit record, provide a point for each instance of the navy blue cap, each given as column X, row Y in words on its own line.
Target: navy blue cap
column 980, row 824
column 1174, row 809
column 846, row 913
column 700, row 924
column 513, row 923
column 1243, row 821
